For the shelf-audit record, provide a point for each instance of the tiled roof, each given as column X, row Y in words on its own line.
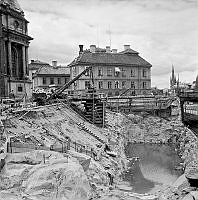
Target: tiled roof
column 36, row 64
column 111, row 59
column 13, row 4
column 46, row 70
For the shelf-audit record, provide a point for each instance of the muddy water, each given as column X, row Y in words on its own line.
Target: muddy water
column 154, row 170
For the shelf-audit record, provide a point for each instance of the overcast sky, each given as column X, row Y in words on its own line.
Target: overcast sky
column 164, row 32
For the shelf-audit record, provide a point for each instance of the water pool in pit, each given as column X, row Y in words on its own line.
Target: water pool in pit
column 154, row 170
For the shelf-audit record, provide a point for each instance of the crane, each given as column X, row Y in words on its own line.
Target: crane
column 65, row 86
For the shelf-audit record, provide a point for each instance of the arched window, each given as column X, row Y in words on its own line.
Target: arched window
column 14, row 61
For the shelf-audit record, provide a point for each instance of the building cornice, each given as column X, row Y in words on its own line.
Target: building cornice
column 5, row 9
column 108, row 65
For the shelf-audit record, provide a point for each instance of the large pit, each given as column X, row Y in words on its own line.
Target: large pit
column 156, row 168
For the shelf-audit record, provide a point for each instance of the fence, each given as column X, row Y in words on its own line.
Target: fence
column 17, row 147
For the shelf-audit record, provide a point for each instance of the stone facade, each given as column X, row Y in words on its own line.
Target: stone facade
column 113, row 73
column 14, row 43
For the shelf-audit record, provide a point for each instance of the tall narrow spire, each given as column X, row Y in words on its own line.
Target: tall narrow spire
column 173, row 80
column 173, row 72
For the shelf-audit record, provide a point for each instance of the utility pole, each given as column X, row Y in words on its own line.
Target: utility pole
column 2, row 78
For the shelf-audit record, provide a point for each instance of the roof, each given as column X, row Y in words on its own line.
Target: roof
column 13, row 4
column 46, row 70
column 36, row 64
column 128, row 57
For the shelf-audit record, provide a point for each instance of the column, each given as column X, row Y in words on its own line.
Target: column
column 10, row 58
column 24, row 61
column 2, row 79
column 26, row 58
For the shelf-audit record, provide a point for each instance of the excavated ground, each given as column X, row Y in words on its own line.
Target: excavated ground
column 49, row 125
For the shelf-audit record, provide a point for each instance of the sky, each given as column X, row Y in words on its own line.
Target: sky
column 164, row 32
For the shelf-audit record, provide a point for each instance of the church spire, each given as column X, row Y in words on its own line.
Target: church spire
column 173, row 72
column 173, row 80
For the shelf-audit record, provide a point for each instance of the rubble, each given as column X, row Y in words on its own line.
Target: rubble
column 52, row 125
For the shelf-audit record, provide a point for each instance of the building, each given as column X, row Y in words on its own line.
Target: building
column 14, row 43
column 35, row 65
column 47, row 76
column 113, row 72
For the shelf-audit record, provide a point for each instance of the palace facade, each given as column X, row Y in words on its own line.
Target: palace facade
column 14, row 43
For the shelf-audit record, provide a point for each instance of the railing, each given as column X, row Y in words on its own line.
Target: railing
column 17, row 147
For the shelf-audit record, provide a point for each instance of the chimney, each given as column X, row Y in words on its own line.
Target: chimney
column 108, row 49
column 126, row 47
column 93, row 48
column 114, row 50
column 54, row 63
column 80, row 49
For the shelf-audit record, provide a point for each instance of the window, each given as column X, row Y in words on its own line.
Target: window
column 117, row 71
column 100, row 72
column 132, row 84
column 117, row 93
column 132, row 72
column 51, row 81
column 109, row 84
column 20, row 89
column 74, row 70
column 100, row 84
column 133, row 93
column 116, row 84
column 14, row 55
column 59, row 81
column 144, row 73
column 109, row 94
column 75, row 85
column 144, row 85
column 109, row 71
column 123, row 72
column 87, row 72
column 44, row 81
column 87, row 84
column 123, row 84
column 16, row 24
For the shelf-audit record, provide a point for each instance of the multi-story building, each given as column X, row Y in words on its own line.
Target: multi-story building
column 47, row 76
column 14, row 43
column 113, row 72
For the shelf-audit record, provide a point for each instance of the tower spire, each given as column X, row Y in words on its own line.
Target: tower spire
column 173, row 80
